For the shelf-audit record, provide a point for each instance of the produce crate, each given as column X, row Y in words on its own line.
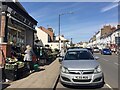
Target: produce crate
column 11, row 74
column 15, row 71
column 9, row 66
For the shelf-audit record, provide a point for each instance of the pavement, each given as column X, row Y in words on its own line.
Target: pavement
column 45, row 78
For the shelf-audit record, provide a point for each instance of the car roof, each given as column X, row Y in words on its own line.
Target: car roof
column 80, row 49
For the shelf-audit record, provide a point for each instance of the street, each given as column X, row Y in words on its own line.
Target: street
column 35, row 36
column 109, row 64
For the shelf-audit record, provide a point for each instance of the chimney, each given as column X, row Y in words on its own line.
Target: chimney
column 118, row 26
column 113, row 29
column 62, row 35
column 50, row 29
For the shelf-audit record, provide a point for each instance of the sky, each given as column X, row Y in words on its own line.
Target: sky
column 87, row 17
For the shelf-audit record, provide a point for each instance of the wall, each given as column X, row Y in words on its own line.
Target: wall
column 55, row 45
column 43, row 36
column 115, row 34
column 48, row 31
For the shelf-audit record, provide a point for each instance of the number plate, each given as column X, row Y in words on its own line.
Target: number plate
column 81, row 77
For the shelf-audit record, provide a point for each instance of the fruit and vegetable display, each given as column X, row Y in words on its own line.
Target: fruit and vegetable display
column 13, row 63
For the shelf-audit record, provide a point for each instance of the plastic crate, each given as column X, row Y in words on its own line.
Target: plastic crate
column 11, row 74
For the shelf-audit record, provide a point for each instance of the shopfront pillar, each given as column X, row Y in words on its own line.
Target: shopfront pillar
column 3, row 34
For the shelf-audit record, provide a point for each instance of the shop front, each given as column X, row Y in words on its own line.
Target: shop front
column 17, row 29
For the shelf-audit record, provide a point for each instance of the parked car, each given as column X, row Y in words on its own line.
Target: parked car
column 80, row 67
column 96, row 50
column 106, row 51
column 90, row 49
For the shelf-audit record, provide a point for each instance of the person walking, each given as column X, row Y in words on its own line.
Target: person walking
column 28, row 58
column 2, row 66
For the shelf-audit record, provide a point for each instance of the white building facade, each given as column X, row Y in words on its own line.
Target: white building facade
column 42, row 36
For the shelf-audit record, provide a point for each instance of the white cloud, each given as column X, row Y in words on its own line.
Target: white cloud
column 109, row 7
column 116, row 0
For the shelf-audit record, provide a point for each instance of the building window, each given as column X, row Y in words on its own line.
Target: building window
column 49, row 38
column 16, row 37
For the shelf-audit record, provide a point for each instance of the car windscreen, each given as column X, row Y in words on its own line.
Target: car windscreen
column 78, row 55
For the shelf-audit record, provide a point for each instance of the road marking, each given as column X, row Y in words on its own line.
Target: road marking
column 116, row 63
column 109, row 86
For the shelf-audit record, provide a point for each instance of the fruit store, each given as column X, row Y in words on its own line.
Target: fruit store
column 17, row 30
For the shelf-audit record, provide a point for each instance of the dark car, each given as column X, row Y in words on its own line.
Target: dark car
column 106, row 51
column 90, row 49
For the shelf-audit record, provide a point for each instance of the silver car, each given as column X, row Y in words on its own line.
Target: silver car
column 80, row 67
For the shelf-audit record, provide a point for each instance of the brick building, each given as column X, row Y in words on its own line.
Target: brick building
column 106, row 30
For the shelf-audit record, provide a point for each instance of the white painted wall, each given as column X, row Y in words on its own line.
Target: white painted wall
column 98, row 35
column 1, row 40
column 115, row 34
column 54, row 45
column 43, row 36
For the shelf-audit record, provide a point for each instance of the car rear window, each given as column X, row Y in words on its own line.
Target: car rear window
column 106, row 49
column 78, row 55
column 96, row 48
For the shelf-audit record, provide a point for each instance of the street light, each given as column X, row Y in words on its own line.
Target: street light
column 118, row 44
column 59, row 27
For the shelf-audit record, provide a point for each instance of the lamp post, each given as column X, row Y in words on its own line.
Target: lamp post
column 117, row 43
column 60, row 27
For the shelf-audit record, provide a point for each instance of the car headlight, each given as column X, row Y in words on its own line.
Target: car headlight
column 64, row 70
column 97, row 69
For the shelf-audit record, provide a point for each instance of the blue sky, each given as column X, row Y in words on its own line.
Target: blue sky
column 88, row 17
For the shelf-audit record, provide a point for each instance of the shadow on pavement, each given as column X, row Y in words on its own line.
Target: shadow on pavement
column 24, row 76
column 42, row 69
column 5, row 86
column 48, row 62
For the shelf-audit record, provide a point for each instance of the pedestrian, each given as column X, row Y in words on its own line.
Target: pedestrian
column 2, row 66
column 28, row 58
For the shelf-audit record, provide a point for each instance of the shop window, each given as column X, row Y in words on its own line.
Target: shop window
column 16, row 37
column 12, row 36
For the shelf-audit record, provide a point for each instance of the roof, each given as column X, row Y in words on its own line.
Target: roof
column 20, row 9
column 117, row 30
